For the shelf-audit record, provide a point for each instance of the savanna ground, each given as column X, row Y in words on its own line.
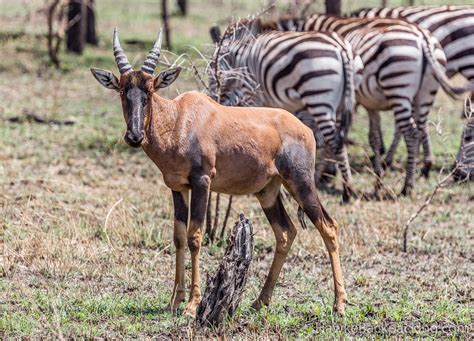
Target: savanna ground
column 67, row 271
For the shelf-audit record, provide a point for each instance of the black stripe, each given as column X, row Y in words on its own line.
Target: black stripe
column 310, row 75
column 457, row 34
column 394, row 74
column 296, row 59
column 389, row 43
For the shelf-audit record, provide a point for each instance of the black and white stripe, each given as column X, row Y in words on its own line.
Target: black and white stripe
column 452, row 26
column 464, row 164
column 403, row 69
column 300, row 72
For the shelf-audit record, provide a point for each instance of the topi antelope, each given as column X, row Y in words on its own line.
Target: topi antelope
column 202, row 146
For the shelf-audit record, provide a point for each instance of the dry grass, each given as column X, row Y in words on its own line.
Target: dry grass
column 67, row 270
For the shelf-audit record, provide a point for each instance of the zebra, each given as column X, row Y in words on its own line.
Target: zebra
column 403, row 69
column 300, row 72
column 464, row 164
column 453, row 26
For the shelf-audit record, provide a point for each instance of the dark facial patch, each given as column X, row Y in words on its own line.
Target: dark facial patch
column 136, row 87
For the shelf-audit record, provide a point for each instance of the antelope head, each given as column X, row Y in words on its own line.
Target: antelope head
column 136, row 88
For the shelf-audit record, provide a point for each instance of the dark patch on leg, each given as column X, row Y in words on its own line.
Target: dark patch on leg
column 277, row 213
column 199, row 196
column 180, row 207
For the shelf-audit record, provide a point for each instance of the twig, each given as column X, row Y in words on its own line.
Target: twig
column 428, row 199
column 216, row 218
column 107, row 219
column 227, row 213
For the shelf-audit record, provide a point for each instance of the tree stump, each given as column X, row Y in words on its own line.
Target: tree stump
column 224, row 290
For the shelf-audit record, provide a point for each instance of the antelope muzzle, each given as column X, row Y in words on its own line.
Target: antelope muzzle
column 136, row 101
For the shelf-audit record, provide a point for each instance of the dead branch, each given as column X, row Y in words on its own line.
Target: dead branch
column 224, row 290
column 427, row 202
column 216, row 219
column 31, row 116
column 227, row 213
column 56, row 28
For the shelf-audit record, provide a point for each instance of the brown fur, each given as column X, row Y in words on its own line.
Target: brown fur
column 202, row 146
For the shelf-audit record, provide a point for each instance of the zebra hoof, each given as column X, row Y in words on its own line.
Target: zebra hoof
column 347, row 194
column 425, row 171
column 387, row 164
column 406, row 191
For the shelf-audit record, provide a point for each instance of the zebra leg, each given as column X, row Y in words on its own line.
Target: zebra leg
column 423, row 103
column 326, row 125
column 405, row 123
column 345, row 168
column 427, row 152
column 327, row 170
column 382, row 144
column 375, row 142
column 388, row 161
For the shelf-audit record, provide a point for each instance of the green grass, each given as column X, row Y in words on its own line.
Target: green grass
column 65, row 272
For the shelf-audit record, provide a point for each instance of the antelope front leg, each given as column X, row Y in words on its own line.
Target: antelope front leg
column 181, row 204
column 199, row 195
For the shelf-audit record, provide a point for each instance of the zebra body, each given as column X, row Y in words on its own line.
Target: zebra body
column 464, row 164
column 299, row 71
column 452, row 26
column 403, row 69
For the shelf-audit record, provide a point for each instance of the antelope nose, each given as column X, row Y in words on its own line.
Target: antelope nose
column 135, row 138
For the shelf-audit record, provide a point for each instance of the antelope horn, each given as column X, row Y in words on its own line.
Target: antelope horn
column 150, row 62
column 120, row 58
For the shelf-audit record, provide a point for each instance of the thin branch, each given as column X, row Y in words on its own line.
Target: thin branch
column 427, row 202
column 107, row 220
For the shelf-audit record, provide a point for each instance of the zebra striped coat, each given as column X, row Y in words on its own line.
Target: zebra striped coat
column 403, row 68
column 309, row 72
column 464, row 164
column 453, row 26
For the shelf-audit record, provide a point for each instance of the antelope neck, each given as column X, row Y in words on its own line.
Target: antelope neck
column 160, row 120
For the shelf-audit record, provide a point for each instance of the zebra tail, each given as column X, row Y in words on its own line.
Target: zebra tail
column 348, row 101
column 455, row 92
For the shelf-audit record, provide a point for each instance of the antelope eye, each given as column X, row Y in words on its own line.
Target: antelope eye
column 121, row 92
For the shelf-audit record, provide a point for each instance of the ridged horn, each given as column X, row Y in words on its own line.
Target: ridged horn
column 152, row 58
column 120, row 58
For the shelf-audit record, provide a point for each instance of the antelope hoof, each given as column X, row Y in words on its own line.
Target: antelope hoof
column 176, row 300
column 259, row 303
column 339, row 305
column 190, row 309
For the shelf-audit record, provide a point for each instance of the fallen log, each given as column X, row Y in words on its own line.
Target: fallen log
column 32, row 117
column 224, row 290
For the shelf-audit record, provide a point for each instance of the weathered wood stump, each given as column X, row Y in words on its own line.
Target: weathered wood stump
column 224, row 290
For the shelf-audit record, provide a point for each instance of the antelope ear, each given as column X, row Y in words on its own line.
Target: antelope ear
column 106, row 78
column 166, row 78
